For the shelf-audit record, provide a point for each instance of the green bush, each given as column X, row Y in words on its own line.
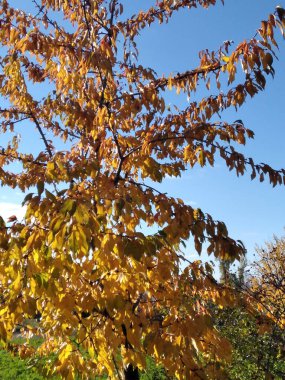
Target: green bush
column 153, row 372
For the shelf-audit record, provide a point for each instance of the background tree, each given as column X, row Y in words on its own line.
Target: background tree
column 268, row 286
column 268, row 282
column 257, row 343
column 108, row 293
column 236, row 278
column 257, row 336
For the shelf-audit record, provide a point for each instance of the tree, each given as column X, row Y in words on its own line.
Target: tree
column 268, row 282
column 229, row 277
column 268, row 287
column 107, row 293
column 257, row 344
column 256, row 334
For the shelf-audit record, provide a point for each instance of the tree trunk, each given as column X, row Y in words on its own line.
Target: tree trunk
column 131, row 373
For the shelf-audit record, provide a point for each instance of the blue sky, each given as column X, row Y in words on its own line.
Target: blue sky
column 253, row 211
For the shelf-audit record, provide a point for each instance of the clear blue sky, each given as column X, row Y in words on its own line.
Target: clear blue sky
column 253, row 211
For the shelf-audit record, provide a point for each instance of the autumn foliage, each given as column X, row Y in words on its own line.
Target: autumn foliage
column 108, row 294
column 268, row 282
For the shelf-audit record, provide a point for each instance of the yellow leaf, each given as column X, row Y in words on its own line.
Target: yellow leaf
column 225, row 59
column 156, row 351
column 17, row 282
column 65, row 353
column 33, row 285
column 3, row 311
column 170, row 83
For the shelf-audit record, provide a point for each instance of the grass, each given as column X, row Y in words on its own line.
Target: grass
column 12, row 367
